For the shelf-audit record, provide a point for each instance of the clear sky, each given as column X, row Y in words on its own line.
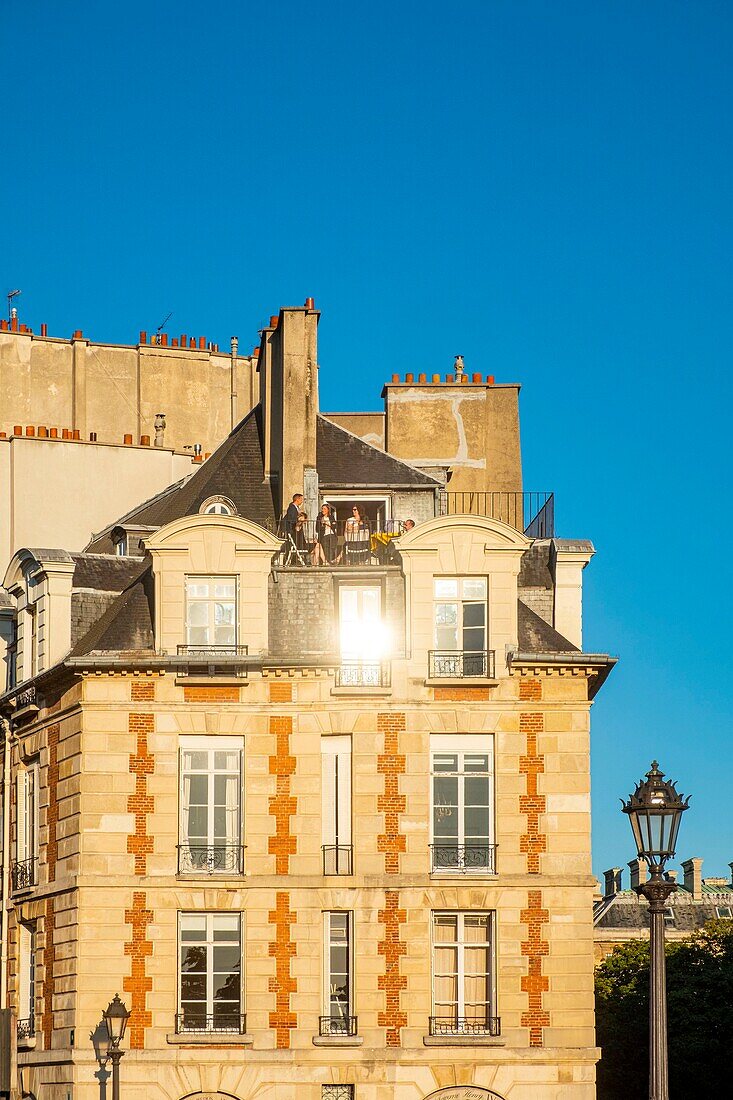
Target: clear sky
column 542, row 187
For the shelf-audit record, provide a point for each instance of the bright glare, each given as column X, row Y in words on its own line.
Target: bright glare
column 363, row 634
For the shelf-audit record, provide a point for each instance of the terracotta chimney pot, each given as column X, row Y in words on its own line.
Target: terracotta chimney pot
column 76, row 434
column 202, row 343
column 144, row 440
column 43, row 432
column 143, row 337
column 44, row 330
column 310, row 303
column 477, row 379
column 422, row 377
column 409, row 378
column 449, row 378
column 54, row 433
column 127, row 439
column 30, row 430
column 3, row 326
column 273, row 321
column 174, row 342
column 17, row 429
column 490, row 379
column 77, row 335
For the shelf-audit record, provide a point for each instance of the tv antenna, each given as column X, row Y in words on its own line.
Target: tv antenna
column 161, row 326
column 12, row 311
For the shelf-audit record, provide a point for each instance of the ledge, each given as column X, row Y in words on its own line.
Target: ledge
column 204, row 1039
column 224, row 679
column 463, row 1041
column 338, row 1040
column 460, row 681
column 378, row 691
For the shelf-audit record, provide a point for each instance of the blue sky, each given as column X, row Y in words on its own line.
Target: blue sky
column 543, row 187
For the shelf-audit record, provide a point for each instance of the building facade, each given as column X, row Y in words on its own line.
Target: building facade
column 325, row 829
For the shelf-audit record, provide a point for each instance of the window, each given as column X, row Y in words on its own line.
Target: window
column 463, row 975
column 210, row 989
column 669, row 917
column 724, row 912
column 218, row 506
column 337, row 993
column 362, row 635
column 211, row 613
column 336, row 805
column 462, row 803
column 26, row 828
column 337, row 1092
column 121, row 546
column 211, row 805
column 460, row 619
column 26, row 983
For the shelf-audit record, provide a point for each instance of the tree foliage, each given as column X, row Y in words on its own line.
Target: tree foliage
column 700, row 1016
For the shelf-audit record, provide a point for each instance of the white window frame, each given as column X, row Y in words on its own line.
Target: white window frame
column 210, row 943
column 336, row 804
column 354, row 498
column 463, row 745
column 461, row 945
column 26, row 975
column 461, row 601
column 26, row 813
column 218, row 506
column 211, row 601
column 724, row 912
column 327, row 1004
column 218, row 859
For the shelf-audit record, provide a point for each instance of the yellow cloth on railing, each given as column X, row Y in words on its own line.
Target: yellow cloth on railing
column 382, row 538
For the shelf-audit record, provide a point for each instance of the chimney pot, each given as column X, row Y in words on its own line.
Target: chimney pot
column 3, row 435
column 409, row 378
column 76, row 434
column 464, row 378
column 54, row 433
column 174, row 342
column 3, row 326
column 273, row 321
column 44, row 330
column 184, row 340
column 77, row 334
column 17, row 429
column 192, row 342
column 14, row 324
column 43, row 432
column 396, row 379
column 143, row 337
column 490, row 379
column 422, row 377
column 436, row 378
column 92, row 437
column 30, row 430
column 310, row 303
column 207, row 455
column 202, row 343
column 23, row 328
column 478, row 379
column 449, row 378
column 164, row 339
column 256, row 353
column 65, row 433
column 144, row 440
column 127, row 439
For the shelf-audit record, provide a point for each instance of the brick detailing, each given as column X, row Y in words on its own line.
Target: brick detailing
column 49, row 958
column 52, row 813
column 282, row 805
column 138, row 984
column 530, row 689
column 462, row 694
column 142, row 764
column 282, row 949
column 535, row 983
column 280, row 692
column 142, row 691
column 216, row 693
column 391, row 764
column 392, row 982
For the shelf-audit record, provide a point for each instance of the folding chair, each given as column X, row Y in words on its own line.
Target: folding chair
column 292, row 552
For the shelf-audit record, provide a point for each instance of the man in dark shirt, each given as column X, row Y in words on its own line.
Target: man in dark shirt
column 291, row 516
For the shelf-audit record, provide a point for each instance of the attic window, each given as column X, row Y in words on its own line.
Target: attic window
column 724, row 912
column 121, row 546
column 218, row 506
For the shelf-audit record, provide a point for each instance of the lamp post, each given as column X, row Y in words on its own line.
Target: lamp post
column 115, row 1018
column 655, row 810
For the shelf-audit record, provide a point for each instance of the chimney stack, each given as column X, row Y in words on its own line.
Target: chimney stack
column 639, row 872
column 692, row 869
column 612, row 879
column 159, row 429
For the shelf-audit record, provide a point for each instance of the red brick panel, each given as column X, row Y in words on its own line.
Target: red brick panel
column 215, row 693
column 282, row 805
column 138, row 984
column 392, row 982
column 49, row 958
column 391, row 764
column 282, row 949
column 535, row 983
column 52, row 813
column 142, row 691
column 533, row 843
column 142, row 764
column 280, row 692
column 462, row 694
column 530, row 689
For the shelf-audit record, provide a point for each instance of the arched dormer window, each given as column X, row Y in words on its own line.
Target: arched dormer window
column 218, row 506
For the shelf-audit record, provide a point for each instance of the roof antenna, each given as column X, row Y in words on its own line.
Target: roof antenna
column 161, row 326
column 12, row 311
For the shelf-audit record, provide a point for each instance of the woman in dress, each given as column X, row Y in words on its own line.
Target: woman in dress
column 326, row 543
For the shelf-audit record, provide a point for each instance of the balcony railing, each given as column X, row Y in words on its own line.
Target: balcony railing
column 210, row 859
column 25, row 874
column 338, row 859
column 191, row 1021
column 466, row 858
column 337, row 1025
column 212, row 652
column 460, row 663
column 531, row 512
column 26, row 1031
column 362, row 674
column 462, row 1025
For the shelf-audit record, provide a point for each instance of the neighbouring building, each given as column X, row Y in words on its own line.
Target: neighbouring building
column 325, row 829
column 622, row 915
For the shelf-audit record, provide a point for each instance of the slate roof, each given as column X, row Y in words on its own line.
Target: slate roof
column 126, row 626
column 103, row 572
column 344, row 460
column 537, row 636
column 626, row 912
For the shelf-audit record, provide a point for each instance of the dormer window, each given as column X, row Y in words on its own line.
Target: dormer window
column 211, row 613
column 218, row 506
column 121, row 546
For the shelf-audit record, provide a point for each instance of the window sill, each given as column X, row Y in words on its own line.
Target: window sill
column 338, row 1040
column 26, row 1044
column 460, row 681
column 462, row 1041
column 378, row 691
column 455, row 872
column 202, row 1039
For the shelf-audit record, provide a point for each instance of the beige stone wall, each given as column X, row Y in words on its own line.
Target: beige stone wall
column 368, row 426
column 117, row 389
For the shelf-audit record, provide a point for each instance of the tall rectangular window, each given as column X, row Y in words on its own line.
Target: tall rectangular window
column 338, row 986
column 463, row 975
column 211, row 805
column 336, row 805
column 26, row 983
column 460, row 626
column 210, row 969
column 211, row 613
column 363, row 636
column 25, row 871
column 462, row 803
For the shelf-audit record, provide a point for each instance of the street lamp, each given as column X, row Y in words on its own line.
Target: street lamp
column 655, row 810
column 115, row 1018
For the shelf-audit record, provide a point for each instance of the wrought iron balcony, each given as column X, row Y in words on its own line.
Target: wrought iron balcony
column 337, row 1025
column 464, row 857
column 364, row 674
column 462, row 1025
column 210, row 859
column 531, row 512
column 25, row 874
column 191, row 1021
column 457, row 664
column 26, row 1031
column 212, row 652
column 338, row 859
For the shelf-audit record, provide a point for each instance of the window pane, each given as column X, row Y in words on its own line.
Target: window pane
column 445, row 587
column 195, row 759
column 193, row 987
column 193, row 925
column 226, row 926
column 475, row 927
column 225, row 588
column 445, row 762
column 445, row 927
column 193, row 959
column 446, row 614
column 476, row 762
column 474, row 588
column 474, row 614
column 198, row 614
